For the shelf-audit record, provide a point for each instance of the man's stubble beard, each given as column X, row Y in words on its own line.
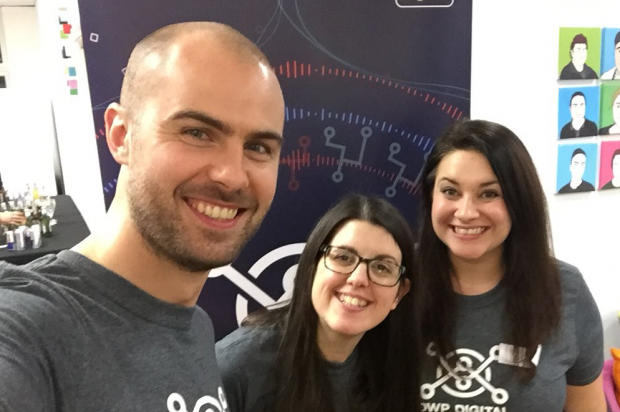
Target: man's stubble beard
column 160, row 228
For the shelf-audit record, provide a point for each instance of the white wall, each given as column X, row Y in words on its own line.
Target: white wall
column 26, row 146
column 73, row 116
column 37, row 107
column 514, row 72
column 39, row 116
column 26, row 126
column 23, row 54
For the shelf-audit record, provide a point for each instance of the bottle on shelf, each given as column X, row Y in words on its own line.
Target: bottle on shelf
column 20, row 202
column 27, row 194
column 35, row 192
column 46, row 227
column 34, row 234
column 34, row 215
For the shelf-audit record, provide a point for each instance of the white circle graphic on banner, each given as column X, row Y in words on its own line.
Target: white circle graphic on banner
column 249, row 287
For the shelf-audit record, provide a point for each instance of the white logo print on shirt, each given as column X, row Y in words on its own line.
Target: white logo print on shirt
column 176, row 403
column 471, row 376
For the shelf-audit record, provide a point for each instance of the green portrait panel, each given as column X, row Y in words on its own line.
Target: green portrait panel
column 609, row 93
column 593, row 38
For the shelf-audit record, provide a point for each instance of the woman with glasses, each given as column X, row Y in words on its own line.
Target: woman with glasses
column 347, row 340
column 508, row 327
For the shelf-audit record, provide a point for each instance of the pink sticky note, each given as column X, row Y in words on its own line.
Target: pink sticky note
column 72, row 84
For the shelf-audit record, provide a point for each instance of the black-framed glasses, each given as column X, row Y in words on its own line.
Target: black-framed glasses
column 344, row 261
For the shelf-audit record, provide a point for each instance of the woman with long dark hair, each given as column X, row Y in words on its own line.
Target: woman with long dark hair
column 347, row 340
column 508, row 327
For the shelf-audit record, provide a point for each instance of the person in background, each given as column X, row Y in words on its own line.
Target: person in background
column 8, row 217
column 112, row 325
column 347, row 341
column 577, row 69
column 613, row 128
column 614, row 72
column 12, row 218
column 508, row 326
column 578, row 126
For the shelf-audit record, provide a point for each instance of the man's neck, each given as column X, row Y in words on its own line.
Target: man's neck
column 579, row 68
column 578, row 123
column 118, row 246
column 574, row 184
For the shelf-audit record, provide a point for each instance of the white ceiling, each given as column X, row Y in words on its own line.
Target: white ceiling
column 17, row 3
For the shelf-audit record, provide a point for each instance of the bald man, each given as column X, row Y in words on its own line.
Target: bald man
column 112, row 325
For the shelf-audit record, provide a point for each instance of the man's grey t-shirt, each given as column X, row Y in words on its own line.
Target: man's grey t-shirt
column 483, row 381
column 77, row 337
column 247, row 359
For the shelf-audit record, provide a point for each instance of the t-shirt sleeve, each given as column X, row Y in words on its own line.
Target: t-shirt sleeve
column 246, row 359
column 591, row 73
column 229, row 353
column 589, row 337
column 565, row 132
column 25, row 377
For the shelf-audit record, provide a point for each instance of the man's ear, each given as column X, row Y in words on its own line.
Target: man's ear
column 116, row 133
column 403, row 289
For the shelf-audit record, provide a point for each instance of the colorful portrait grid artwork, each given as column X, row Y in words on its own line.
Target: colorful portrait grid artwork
column 588, row 119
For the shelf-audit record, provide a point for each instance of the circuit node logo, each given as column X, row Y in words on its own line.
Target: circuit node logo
column 469, row 378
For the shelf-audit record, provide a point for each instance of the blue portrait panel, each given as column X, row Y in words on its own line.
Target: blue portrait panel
column 610, row 54
column 578, row 111
column 577, row 167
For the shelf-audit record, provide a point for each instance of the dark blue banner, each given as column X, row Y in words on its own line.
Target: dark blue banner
column 368, row 85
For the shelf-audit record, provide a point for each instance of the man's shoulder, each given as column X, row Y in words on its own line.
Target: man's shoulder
column 609, row 74
column 605, row 130
column 586, row 186
column 565, row 189
column 203, row 323
column 32, row 307
column 568, row 72
column 591, row 124
column 35, row 290
column 589, row 128
column 28, row 279
column 566, row 128
column 45, row 267
column 608, row 185
column 589, row 72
